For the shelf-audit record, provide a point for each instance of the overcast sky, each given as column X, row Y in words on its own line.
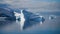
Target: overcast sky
column 35, row 5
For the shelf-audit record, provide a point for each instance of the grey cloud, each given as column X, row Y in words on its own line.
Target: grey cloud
column 34, row 5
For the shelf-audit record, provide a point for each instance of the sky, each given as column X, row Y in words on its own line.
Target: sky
column 35, row 5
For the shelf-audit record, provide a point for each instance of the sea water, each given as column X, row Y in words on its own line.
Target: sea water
column 48, row 27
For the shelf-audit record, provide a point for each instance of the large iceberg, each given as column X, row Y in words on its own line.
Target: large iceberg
column 6, row 11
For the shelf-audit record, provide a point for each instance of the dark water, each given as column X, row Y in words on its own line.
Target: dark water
column 48, row 27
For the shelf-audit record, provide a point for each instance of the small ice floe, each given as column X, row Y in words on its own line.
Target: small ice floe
column 42, row 19
column 22, row 19
column 52, row 17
